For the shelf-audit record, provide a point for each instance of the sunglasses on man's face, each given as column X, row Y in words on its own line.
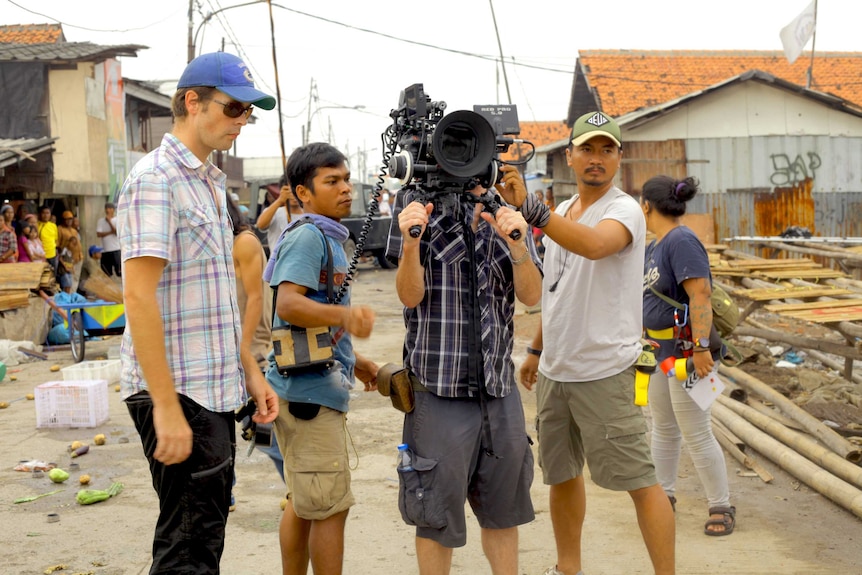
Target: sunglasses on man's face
column 234, row 109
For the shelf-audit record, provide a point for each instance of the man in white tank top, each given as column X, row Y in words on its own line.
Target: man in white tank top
column 591, row 329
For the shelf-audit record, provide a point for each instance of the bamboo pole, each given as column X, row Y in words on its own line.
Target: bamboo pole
column 809, row 473
column 829, row 362
column 740, row 444
column 800, row 443
column 799, row 341
column 826, row 435
column 831, row 253
column 728, row 445
column 761, row 407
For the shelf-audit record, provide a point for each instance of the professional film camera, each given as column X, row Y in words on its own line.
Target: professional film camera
column 452, row 154
column 442, row 158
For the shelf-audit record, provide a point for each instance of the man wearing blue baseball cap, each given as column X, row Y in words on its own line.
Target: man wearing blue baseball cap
column 183, row 370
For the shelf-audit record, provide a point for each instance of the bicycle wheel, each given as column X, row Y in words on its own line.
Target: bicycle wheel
column 76, row 336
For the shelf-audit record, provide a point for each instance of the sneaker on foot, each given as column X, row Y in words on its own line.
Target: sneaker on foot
column 553, row 571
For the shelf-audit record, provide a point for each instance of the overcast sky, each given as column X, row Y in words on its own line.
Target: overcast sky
column 343, row 46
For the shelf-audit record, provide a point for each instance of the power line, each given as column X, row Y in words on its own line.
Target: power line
column 216, row 11
column 423, row 44
column 94, row 29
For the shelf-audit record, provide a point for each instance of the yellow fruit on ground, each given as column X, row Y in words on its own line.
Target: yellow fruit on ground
column 75, row 445
column 55, row 367
column 84, row 479
column 30, row 397
column 3, row 405
column 13, row 378
column 99, row 439
column 116, row 388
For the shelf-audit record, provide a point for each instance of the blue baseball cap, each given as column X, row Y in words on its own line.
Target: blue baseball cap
column 227, row 73
column 94, row 250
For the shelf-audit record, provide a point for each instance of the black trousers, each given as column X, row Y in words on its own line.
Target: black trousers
column 193, row 495
column 111, row 263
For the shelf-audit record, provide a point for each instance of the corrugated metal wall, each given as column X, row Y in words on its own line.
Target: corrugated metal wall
column 759, row 186
column 643, row 160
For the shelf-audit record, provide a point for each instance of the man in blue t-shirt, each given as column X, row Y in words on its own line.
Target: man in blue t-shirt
column 310, row 428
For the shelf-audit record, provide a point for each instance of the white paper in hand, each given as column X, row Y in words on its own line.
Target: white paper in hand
column 703, row 390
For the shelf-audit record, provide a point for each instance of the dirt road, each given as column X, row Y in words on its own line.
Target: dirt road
column 783, row 527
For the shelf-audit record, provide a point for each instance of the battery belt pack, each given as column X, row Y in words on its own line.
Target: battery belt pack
column 399, row 385
column 298, row 349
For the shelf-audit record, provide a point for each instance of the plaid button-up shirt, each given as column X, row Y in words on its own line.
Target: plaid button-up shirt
column 436, row 346
column 166, row 210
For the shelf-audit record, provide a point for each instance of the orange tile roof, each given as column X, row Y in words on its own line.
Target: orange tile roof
column 540, row 133
column 32, row 34
column 626, row 80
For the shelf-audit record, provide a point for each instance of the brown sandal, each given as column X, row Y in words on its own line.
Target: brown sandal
column 728, row 521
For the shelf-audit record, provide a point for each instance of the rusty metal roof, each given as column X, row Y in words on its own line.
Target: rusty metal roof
column 14, row 151
column 65, row 52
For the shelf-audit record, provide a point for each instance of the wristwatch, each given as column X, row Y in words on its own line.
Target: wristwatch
column 701, row 344
column 534, row 351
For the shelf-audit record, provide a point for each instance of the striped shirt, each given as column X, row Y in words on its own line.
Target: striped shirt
column 437, row 343
column 166, row 210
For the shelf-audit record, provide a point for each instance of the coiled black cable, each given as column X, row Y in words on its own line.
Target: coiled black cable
column 389, row 144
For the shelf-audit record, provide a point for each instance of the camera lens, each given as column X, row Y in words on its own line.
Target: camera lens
column 459, row 144
column 464, row 144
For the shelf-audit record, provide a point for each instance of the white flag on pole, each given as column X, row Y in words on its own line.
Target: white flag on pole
column 796, row 35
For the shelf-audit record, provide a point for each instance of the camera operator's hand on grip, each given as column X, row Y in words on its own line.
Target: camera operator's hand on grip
column 413, row 219
column 508, row 223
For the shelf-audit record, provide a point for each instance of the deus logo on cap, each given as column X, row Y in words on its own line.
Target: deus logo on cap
column 598, row 119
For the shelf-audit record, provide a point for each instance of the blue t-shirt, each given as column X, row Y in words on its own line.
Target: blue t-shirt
column 301, row 259
column 668, row 263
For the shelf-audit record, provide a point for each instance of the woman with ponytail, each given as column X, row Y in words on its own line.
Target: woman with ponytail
column 677, row 267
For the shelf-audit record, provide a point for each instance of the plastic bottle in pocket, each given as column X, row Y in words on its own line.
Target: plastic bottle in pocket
column 405, row 459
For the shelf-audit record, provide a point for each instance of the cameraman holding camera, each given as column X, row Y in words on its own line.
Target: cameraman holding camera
column 458, row 281
column 591, row 329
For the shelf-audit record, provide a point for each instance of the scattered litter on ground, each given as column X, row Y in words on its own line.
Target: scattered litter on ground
column 34, row 465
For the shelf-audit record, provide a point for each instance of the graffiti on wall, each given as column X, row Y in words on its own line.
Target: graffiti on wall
column 789, row 173
column 840, row 214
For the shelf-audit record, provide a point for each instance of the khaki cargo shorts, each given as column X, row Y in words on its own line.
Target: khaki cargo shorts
column 315, row 462
column 595, row 422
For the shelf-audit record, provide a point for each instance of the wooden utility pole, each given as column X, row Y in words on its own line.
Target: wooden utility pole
column 277, row 92
column 191, row 49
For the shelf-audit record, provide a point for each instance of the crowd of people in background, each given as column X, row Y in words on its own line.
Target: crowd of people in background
column 30, row 235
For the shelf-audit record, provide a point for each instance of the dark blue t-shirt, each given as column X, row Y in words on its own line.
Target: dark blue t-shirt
column 668, row 263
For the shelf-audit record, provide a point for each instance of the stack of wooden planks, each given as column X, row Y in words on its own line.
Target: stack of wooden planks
column 18, row 280
column 779, row 269
column 849, row 309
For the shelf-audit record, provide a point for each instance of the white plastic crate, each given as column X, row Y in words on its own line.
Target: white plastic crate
column 109, row 370
column 72, row 403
